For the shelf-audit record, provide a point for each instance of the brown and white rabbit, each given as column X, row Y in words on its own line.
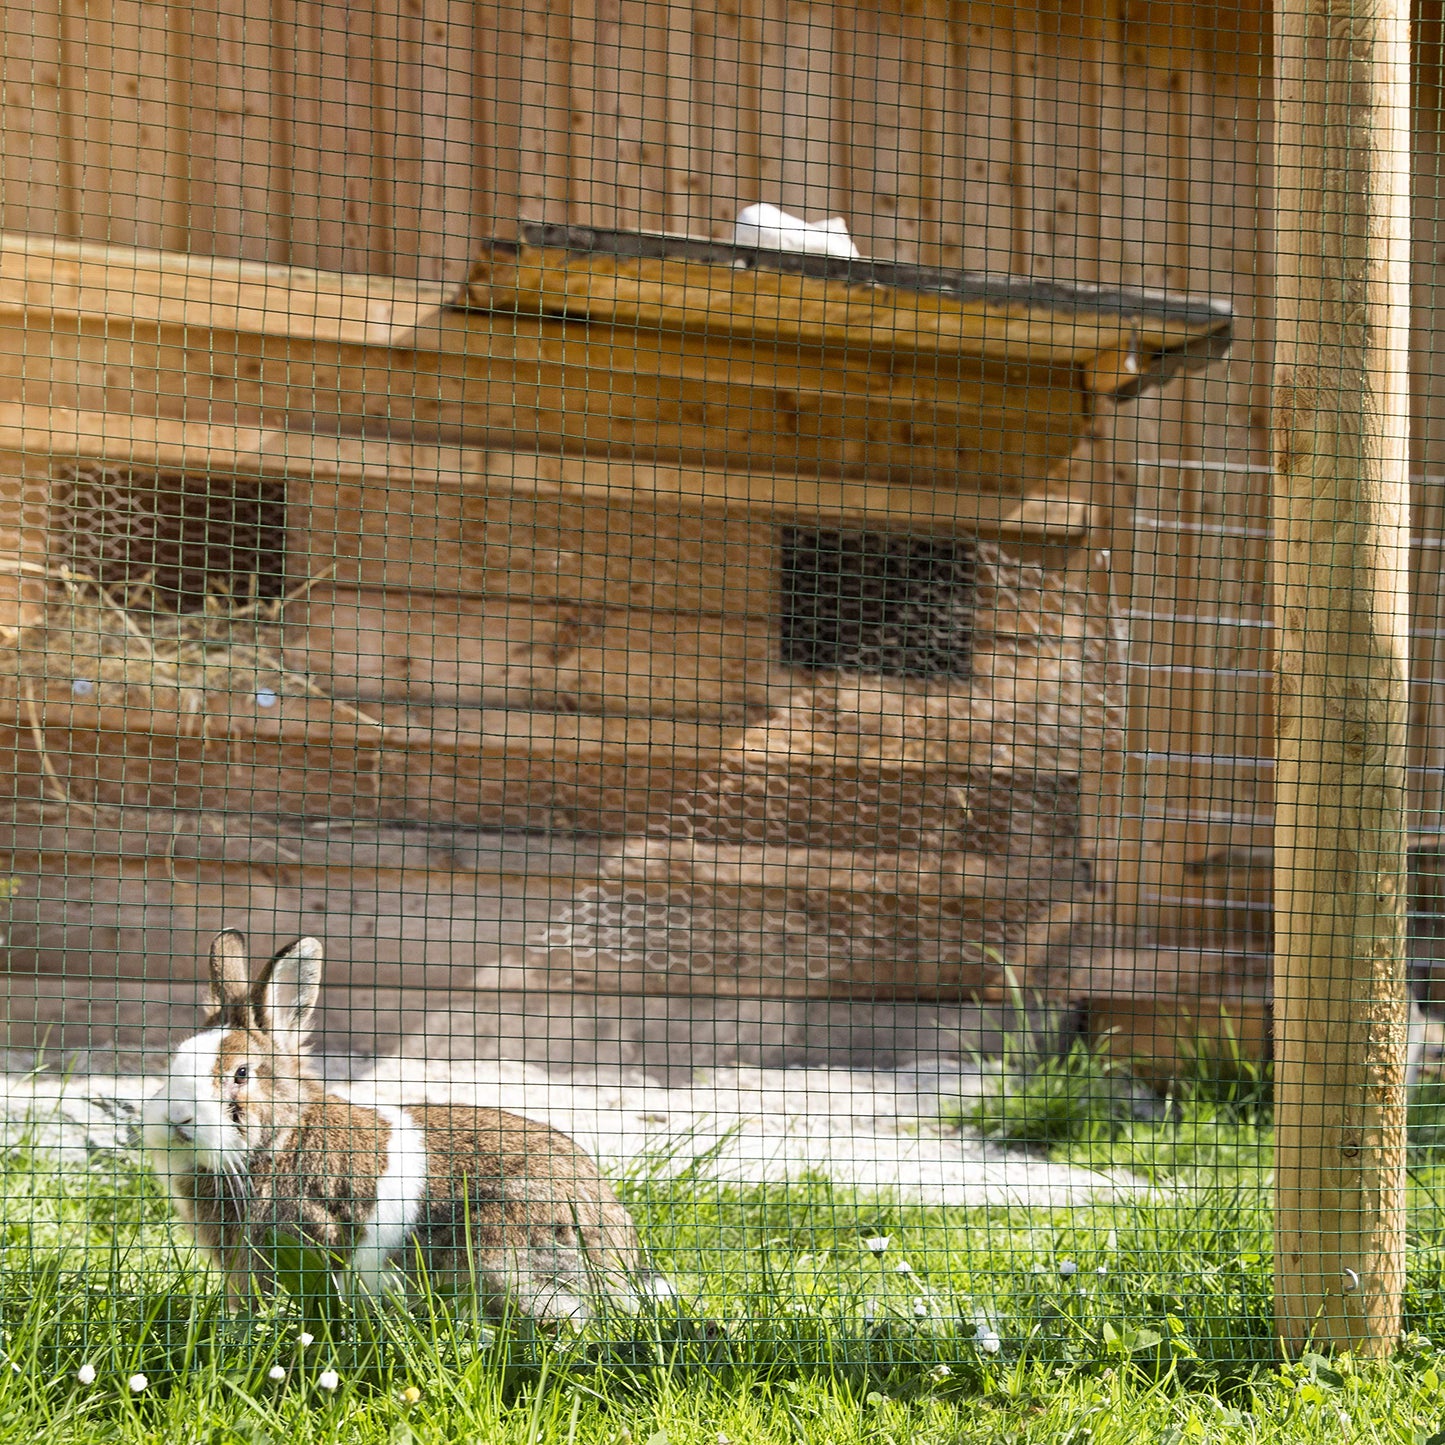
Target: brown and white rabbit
column 249, row 1141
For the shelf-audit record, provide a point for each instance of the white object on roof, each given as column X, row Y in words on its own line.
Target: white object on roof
column 774, row 230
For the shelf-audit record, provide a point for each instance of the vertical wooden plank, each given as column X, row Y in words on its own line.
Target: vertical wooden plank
column 237, row 204
column 36, row 187
column 797, row 157
column 1427, row 406
column 1112, row 134
column 929, row 46
column 396, row 178
column 423, row 95
column 1152, row 557
column 1139, row 223
column 642, row 111
column 450, row 211
column 337, row 223
column 1056, row 101
column 498, row 118
column 1130, row 560
column 1427, row 602
column 977, row 163
column 725, row 113
column 315, row 213
column 1222, row 224
column 128, row 147
column 846, row 44
column 685, row 208
column 926, row 50
column 1427, row 658
column 892, row 162
column 544, row 183
column 1427, row 358
column 370, row 158
column 592, row 123
column 619, row 134
column 1228, row 226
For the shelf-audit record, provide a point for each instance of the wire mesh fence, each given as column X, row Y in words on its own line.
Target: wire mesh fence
column 697, row 578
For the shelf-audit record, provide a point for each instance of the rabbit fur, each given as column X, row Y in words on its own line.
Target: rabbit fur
column 249, row 1141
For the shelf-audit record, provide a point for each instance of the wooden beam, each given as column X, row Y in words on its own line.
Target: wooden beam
column 188, row 852
column 309, row 722
column 418, row 778
column 914, row 875
column 988, row 320
column 988, row 396
column 43, row 276
column 552, row 385
column 1341, row 599
column 1051, row 510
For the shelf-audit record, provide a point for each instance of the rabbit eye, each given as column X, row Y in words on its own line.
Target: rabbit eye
column 242, row 1074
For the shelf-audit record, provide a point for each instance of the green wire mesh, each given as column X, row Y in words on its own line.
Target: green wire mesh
column 780, row 705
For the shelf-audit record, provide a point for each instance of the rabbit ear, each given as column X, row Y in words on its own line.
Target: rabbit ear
column 230, row 983
column 285, row 995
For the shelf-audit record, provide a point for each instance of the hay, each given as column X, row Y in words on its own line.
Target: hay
column 123, row 648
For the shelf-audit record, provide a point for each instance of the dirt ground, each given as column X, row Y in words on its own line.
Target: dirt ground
column 426, row 997
column 878, row 1132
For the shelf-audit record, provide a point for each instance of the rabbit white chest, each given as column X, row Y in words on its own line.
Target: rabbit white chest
column 400, row 1192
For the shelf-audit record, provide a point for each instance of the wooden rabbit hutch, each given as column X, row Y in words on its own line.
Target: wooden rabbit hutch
column 767, row 596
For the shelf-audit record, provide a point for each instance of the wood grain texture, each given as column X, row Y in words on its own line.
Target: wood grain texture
column 877, row 113
column 36, row 159
column 446, row 520
column 790, row 310
column 139, row 332
column 764, row 99
column 240, row 110
column 448, row 777
column 519, row 652
column 1341, row 529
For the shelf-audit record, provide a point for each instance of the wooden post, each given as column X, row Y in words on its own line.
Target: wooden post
column 1341, row 431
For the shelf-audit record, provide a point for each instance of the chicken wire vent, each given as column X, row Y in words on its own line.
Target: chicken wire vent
column 185, row 535
column 877, row 602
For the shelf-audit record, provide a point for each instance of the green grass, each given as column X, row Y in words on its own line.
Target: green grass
column 1081, row 1108
column 1145, row 1320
